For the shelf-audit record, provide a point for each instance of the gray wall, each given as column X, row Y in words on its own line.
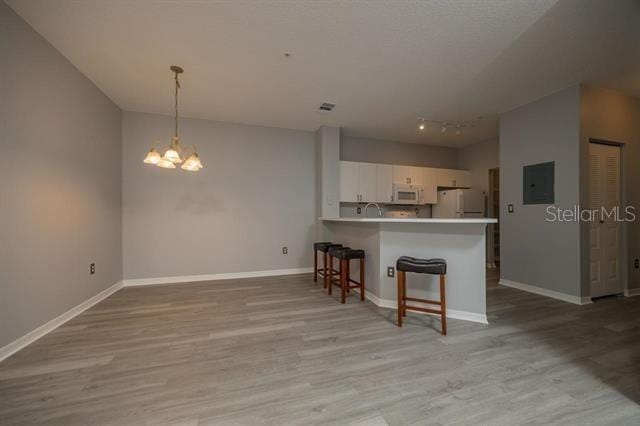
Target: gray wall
column 61, row 171
column 387, row 152
column 478, row 159
column 610, row 115
column 534, row 251
column 255, row 195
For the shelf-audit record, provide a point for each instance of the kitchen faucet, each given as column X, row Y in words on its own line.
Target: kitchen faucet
column 366, row 208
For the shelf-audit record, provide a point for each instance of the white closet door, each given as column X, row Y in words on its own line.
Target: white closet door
column 604, row 194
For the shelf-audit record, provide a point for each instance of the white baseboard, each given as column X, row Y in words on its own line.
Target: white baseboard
column 451, row 313
column 631, row 292
column 576, row 300
column 27, row 339
column 214, row 277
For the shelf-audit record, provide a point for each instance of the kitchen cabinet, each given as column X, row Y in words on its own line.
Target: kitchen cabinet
column 407, row 175
column 367, row 182
column 349, row 182
column 357, row 182
column 450, row 178
column 384, row 183
column 430, row 184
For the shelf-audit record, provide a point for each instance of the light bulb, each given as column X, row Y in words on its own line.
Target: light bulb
column 166, row 164
column 444, row 129
column 421, row 126
column 153, row 157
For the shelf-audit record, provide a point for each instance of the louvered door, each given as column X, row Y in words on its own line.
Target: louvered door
column 605, row 230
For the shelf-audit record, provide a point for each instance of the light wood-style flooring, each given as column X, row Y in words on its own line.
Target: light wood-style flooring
column 279, row 351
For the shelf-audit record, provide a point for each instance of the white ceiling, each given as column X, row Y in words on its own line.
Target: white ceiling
column 384, row 63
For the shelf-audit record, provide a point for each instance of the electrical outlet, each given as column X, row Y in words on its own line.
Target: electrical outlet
column 636, row 264
column 92, row 268
column 285, row 250
column 359, row 210
column 391, row 272
column 510, row 208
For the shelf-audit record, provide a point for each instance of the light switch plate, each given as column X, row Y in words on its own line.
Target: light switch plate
column 510, row 208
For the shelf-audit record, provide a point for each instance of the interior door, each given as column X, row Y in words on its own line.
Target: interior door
column 605, row 230
column 367, row 182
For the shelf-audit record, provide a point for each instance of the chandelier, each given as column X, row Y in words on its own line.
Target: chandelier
column 175, row 153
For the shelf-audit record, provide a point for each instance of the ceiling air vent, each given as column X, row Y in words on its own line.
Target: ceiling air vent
column 326, row 107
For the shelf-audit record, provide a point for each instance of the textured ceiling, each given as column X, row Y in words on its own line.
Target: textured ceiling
column 384, row 63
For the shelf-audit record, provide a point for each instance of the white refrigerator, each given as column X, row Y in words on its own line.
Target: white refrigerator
column 459, row 203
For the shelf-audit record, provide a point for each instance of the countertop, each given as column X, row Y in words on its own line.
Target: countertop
column 407, row 220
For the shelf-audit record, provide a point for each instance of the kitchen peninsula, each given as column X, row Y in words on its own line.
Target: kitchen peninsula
column 461, row 242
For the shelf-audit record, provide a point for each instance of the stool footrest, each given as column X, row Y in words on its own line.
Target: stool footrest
column 425, row 310
column 430, row 302
column 321, row 272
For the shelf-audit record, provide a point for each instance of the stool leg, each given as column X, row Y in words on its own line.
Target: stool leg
column 348, row 283
column 443, row 306
column 400, row 297
column 362, row 280
column 327, row 269
column 344, row 268
column 315, row 266
column 329, row 283
column 404, row 294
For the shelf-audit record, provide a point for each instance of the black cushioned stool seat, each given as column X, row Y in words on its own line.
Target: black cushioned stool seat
column 345, row 254
column 349, row 254
column 422, row 266
column 323, row 247
column 406, row 264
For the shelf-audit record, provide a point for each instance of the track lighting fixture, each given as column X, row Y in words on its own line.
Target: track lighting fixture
column 458, row 126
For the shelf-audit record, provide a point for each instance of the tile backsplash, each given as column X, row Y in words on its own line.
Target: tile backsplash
column 390, row 210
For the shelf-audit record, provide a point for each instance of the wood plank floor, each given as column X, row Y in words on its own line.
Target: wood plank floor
column 278, row 351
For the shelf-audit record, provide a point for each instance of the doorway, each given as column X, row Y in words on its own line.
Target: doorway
column 604, row 229
column 493, row 211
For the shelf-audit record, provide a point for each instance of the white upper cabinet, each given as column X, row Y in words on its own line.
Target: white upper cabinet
column 384, row 183
column 358, row 182
column 349, row 172
column 450, row 178
column 430, row 183
column 407, row 175
column 367, row 182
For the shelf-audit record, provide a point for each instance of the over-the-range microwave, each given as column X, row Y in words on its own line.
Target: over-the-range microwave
column 406, row 194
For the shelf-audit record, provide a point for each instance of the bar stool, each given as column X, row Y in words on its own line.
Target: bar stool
column 345, row 254
column 322, row 247
column 421, row 266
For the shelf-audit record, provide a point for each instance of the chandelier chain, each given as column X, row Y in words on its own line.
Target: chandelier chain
column 176, row 105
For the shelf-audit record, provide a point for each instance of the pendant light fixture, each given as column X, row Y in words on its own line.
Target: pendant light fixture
column 175, row 153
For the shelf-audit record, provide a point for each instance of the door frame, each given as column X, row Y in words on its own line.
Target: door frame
column 491, row 257
column 624, row 258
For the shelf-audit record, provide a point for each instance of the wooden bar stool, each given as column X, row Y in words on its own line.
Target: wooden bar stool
column 421, row 266
column 322, row 247
column 345, row 254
